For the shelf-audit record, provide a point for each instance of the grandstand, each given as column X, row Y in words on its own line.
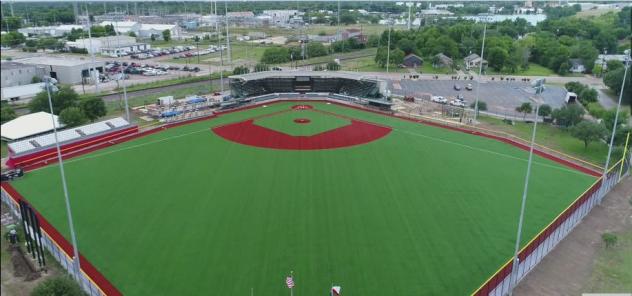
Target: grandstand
column 26, row 151
column 302, row 82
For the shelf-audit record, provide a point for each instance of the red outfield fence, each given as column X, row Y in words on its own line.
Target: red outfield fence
column 94, row 283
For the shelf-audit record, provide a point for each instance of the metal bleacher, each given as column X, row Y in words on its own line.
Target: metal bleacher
column 42, row 142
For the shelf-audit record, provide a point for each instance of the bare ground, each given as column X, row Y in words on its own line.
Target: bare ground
column 569, row 267
column 16, row 278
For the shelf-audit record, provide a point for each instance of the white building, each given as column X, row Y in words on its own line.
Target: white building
column 147, row 30
column 603, row 59
column 109, row 45
column 282, row 17
column 123, row 28
column 54, row 31
column 67, row 70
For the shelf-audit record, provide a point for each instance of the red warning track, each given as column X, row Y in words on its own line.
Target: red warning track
column 248, row 133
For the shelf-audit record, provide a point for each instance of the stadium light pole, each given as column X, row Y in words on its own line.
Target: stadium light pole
column 480, row 71
column 539, row 87
column 227, row 34
column 94, row 70
column 388, row 47
column 73, row 237
column 616, row 116
column 122, row 77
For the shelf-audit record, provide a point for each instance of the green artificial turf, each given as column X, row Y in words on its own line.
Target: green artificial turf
column 422, row 211
column 319, row 122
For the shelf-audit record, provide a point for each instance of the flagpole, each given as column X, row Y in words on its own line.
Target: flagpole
column 292, row 289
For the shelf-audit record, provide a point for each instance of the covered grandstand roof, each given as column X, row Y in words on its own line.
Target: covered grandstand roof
column 295, row 73
column 28, row 125
column 72, row 134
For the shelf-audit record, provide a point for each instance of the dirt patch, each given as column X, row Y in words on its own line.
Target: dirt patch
column 567, row 269
column 21, row 265
column 17, row 278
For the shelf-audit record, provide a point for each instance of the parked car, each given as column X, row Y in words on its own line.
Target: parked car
column 409, row 99
column 439, row 99
column 469, row 86
column 460, row 98
column 457, row 87
column 457, row 103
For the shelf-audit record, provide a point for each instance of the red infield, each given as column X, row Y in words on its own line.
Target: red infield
column 248, row 133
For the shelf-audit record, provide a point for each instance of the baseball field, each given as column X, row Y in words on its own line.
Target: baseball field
column 233, row 204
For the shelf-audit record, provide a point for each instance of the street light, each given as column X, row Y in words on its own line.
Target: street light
column 480, row 70
column 76, row 263
column 539, row 87
column 616, row 116
column 388, row 48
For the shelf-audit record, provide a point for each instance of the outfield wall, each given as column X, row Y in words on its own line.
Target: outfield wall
column 90, row 279
column 94, row 283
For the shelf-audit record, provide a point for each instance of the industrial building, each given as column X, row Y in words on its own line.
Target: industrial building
column 16, row 74
column 66, row 70
column 109, row 45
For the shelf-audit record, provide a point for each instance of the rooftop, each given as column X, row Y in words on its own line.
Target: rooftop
column 55, row 61
column 13, row 65
column 295, row 73
column 28, row 125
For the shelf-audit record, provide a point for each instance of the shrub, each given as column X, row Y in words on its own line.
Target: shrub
column 59, row 286
column 609, row 239
column 596, row 110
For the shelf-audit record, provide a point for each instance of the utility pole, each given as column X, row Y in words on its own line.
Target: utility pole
column 94, row 70
column 75, row 8
column 227, row 34
column 122, row 73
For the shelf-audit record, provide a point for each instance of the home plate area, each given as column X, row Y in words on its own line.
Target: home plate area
column 302, row 127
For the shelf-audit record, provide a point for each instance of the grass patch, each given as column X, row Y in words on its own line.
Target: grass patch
column 367, row 64
column 613, row 267
column 162, row 83
column 534, row 70
column 553, row 137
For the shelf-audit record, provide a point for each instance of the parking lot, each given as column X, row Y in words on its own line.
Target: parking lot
column 501, row 97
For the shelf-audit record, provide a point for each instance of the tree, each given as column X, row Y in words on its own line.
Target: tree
column 589, row 131
column 72, row 116
column 275, row 55
column 153, row 37
column 407, row 45
column 6, row 113
column 333, row 66
column 12, row 39
column 608, row 118
column 93, row 108
column 587, row 96
column 373, row 41
column 316, row 49
column 525, row 108
column 347, row 19
column 614, row 79
column 131, row 34
column 241, row 70
column 544, row 111
column 612, row 65
column 568, row 115
column 166, row 35
column 58, row 286
column 497, row 57
column 63, row 98
column 482, row 106
column 261, row 67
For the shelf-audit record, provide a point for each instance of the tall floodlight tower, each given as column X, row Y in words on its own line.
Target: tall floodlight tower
column 94, row 70
column 227, row 34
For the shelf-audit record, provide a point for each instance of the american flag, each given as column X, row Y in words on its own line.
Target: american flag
column 289, row 282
